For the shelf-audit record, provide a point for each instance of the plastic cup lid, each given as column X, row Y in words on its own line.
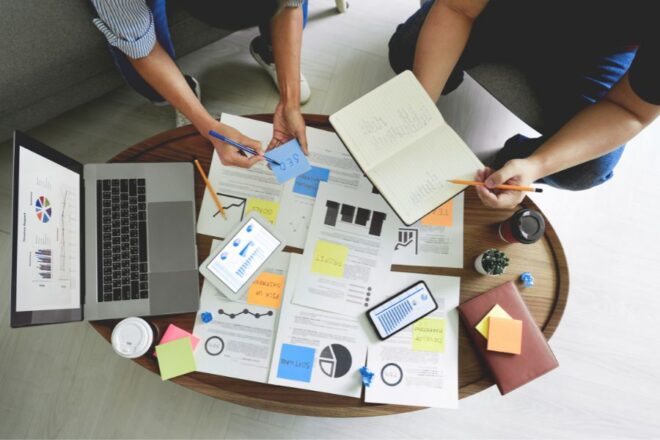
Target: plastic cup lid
column 132, row 337
column 530, row 226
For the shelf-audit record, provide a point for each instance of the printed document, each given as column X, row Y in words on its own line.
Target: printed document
column 348, row 250
column 317, row 350
column 419, row 365
column 238, row 342
column 434, row 241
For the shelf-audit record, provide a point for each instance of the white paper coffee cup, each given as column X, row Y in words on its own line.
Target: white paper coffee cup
column 132, row 337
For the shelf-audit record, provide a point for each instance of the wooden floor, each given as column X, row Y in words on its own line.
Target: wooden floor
column 64, row 381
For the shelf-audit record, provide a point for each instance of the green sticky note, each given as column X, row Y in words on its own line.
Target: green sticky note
column 175, row 358
column 329, row 259
column 429, row 335
column 496, row 311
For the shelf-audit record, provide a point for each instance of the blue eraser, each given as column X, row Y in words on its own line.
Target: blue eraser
column 527, row 278
column 367, row 376
column 207, row 317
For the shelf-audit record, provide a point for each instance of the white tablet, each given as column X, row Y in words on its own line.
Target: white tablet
column 232, row 267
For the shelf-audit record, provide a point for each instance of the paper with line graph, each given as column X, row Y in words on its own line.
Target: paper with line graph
column 434, row 241
column 238, row 342
column 419, row 365
column 289, row 206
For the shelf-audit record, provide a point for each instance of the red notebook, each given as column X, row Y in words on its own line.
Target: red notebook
column 510, row 371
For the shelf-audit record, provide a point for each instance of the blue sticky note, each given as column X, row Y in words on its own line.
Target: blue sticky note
column 308, row 184
column 292, row 160
column 296, row 363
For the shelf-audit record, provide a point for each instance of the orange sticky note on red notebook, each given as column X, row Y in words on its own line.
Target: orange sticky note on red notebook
column 504, row 335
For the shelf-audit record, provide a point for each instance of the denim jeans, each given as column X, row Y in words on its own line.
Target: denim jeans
column 566, row 81
column 158, row 9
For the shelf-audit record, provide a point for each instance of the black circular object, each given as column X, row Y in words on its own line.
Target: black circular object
column 527, row 226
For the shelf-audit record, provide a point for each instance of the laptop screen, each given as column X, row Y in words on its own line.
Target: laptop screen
column 47, row 235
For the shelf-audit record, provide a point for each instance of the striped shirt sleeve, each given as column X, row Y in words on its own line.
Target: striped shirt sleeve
column 128, row 25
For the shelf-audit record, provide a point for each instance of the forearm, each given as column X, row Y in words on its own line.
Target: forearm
column 595, row 131
column 160, row 72
column 441, row 42
column 286, row 28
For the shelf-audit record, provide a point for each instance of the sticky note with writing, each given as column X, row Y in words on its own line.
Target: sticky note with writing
column 329, row 258
column 296, row 363
column 429, row 335
column 292, row 161
column 504, row 335
column 267, row 208
column 496, row 311
column 441, row 216
column 266, row 290
column 307, row 184
column 175, row 358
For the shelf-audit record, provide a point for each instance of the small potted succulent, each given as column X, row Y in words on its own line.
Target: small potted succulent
column 491, row 262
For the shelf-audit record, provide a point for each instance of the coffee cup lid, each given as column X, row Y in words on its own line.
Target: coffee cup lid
column 529, row 226
column 132, row 337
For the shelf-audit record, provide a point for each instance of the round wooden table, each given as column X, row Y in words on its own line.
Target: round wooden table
column 546, row 300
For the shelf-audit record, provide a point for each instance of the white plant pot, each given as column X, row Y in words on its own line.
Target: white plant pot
column 480, row 268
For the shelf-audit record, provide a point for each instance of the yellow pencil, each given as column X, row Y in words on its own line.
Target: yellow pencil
column 211, row 190
column 504, row 187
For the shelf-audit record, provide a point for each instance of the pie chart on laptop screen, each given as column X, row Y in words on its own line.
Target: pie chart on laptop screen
column 43, row 209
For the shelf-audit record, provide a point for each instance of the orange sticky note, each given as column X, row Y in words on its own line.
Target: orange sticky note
column 504, row 335
column 266, row 290
column 441, row 216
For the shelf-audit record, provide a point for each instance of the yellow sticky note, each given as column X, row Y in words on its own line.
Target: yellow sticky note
column 266, row 290
column 441, row 216
column 175, row 358
column 497, row 312
column 266, row 208
column 329, row 258
column 429, row 335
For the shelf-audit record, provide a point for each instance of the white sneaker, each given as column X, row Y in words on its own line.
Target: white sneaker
column 180, row 118
column 263, row 57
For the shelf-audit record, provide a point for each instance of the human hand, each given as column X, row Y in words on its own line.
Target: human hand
column 288, row 124
column 230, row 155
column 521, row 172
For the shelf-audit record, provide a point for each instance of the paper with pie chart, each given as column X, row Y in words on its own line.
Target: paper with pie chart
column 48, row 246
column 317, row 350
column 419, row 365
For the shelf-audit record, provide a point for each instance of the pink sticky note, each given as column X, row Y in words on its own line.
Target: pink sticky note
column 173, row 333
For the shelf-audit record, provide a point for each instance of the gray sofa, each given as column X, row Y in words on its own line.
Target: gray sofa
column 52, row 58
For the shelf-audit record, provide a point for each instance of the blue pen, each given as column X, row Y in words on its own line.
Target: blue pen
column 241, row 147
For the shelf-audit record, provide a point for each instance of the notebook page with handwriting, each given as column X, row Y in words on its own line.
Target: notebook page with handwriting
column 400, row 140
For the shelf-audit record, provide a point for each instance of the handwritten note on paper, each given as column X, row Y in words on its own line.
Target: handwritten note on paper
column 266, row 290
column 496, row 311
column 429, row 335
column 175, row 358
column 292, row 161
column 267, row 208
column 441, row 216
column 329, row 258
column 296, row 363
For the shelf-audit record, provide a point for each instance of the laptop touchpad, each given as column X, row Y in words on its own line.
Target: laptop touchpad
column 171, row 237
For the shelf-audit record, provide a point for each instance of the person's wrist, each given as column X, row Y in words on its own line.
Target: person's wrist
column 290, row 96
column 536, row 167
column 206, row 124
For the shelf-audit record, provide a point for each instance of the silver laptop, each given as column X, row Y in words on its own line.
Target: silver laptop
column 100, row 241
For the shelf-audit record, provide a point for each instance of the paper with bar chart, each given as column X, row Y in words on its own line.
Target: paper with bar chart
column 48, row 245
column 419, row 365
column 348, row 250
column 434, row 241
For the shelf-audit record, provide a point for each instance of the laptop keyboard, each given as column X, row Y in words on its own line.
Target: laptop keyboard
column 122, row 240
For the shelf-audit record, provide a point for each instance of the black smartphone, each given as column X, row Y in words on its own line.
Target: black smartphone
column 401, row 310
